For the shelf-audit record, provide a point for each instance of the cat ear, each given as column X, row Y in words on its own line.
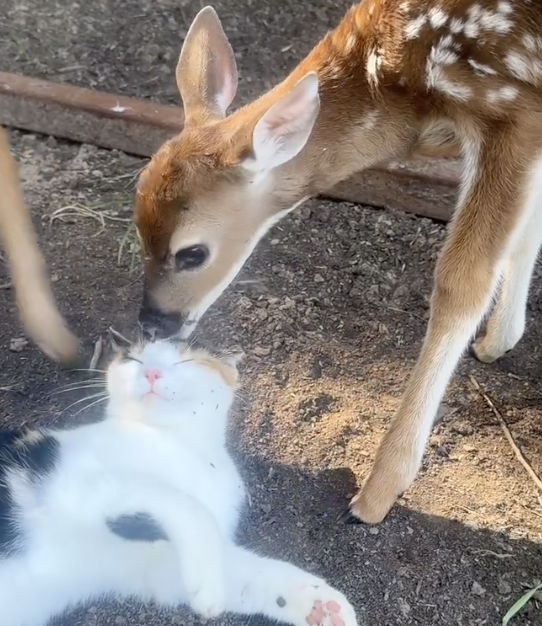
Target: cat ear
column 119, row 343
column 234, row 357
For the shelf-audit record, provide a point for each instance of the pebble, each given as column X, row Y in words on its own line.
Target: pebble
column 504, row 587
column 18, row 344
column 477, row 589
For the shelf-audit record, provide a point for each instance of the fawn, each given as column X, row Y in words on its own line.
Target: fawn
column 40, row 316
column 394, row 78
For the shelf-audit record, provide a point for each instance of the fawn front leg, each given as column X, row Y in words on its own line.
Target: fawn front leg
column 283, row 592
column 491, row 210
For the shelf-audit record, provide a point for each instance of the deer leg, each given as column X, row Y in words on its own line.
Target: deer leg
column 507, row 322
column 37, row 306
column 490, row 213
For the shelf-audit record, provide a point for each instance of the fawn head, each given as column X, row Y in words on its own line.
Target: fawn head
column 210, row 194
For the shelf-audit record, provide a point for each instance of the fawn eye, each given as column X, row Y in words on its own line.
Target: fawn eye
column 191, row 258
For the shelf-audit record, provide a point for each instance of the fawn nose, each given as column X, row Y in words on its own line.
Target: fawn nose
column 156, row 324
column 153, row 375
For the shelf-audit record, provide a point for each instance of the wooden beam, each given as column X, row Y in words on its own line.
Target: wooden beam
column 103, row 119
column 139, row 127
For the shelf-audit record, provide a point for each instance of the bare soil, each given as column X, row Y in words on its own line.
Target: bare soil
column 331, row 310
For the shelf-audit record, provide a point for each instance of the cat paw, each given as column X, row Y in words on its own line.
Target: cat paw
column 318, row 604
column 209, row 600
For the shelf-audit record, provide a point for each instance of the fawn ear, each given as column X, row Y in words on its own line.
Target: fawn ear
column 206, row 72
column 285, row 128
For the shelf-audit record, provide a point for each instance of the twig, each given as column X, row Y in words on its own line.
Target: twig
column 96, row 354
column 508, row 434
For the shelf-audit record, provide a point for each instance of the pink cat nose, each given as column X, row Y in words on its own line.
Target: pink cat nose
column 153, row 375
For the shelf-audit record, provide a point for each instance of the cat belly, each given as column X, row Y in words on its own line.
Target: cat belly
column 58, row 574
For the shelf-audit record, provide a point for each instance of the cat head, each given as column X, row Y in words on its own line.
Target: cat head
column 170, row 373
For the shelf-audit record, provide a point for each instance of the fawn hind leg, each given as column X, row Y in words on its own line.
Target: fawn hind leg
column 283, row 592
column 37, row 306
column 507, row 322
column 492, row 208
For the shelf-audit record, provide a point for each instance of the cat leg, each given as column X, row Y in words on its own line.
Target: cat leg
column 185, row 523
column 282, row 591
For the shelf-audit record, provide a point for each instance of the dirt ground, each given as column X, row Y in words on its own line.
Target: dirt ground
column 331, row 310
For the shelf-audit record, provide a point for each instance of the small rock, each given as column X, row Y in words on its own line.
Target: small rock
column 504, row 587
column 318, row 278
column 373, row 530
column 404, row 607
column 442, row 412
column 18, row 344
column 266, row 508
column 462, row 428
column 120, row 621
column 477, row 589
column 261, row 351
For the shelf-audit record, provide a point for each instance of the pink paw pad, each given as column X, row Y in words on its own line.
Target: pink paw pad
column 320, row 611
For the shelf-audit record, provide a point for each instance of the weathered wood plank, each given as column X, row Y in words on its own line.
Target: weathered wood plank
column 139, row 127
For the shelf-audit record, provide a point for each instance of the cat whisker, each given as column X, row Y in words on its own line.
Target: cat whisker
column 82, row 382
column 86, row 408
column 94, row 386
column 96, row 395
column 242, row 399
column 88, row 369
column 185, row 361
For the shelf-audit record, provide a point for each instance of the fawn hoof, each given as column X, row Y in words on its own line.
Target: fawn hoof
column 486, row 353
column 346, row 517
column 368, row 509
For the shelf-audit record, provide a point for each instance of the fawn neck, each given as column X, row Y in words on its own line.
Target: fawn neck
column 362, row 122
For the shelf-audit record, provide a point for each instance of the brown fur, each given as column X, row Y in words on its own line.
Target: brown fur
column 37, row 307
column 396, row 78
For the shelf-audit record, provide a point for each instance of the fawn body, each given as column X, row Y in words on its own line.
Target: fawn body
column 40, row 316
column 394, row 78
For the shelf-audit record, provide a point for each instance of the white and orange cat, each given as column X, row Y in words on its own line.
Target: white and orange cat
column 143, row 504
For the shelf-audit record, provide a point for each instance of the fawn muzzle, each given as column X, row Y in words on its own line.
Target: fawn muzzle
column 157, row 324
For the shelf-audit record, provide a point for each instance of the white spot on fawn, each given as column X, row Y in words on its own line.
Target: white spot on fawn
column 480, row 68
column 414, row 27
column 529, row 42
column 440, row 57
column 526, row 69
column 456, row 26
column 351, row 42
column 374, row 61
column 484, row 19
column 504, row 94
column 437, row 17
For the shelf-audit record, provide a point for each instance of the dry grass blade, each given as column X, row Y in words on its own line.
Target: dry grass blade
column 508, row 434
column 96, row 354
column 99, row 213
column 130, row 244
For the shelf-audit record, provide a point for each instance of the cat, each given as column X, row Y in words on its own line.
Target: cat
column 143, row 504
